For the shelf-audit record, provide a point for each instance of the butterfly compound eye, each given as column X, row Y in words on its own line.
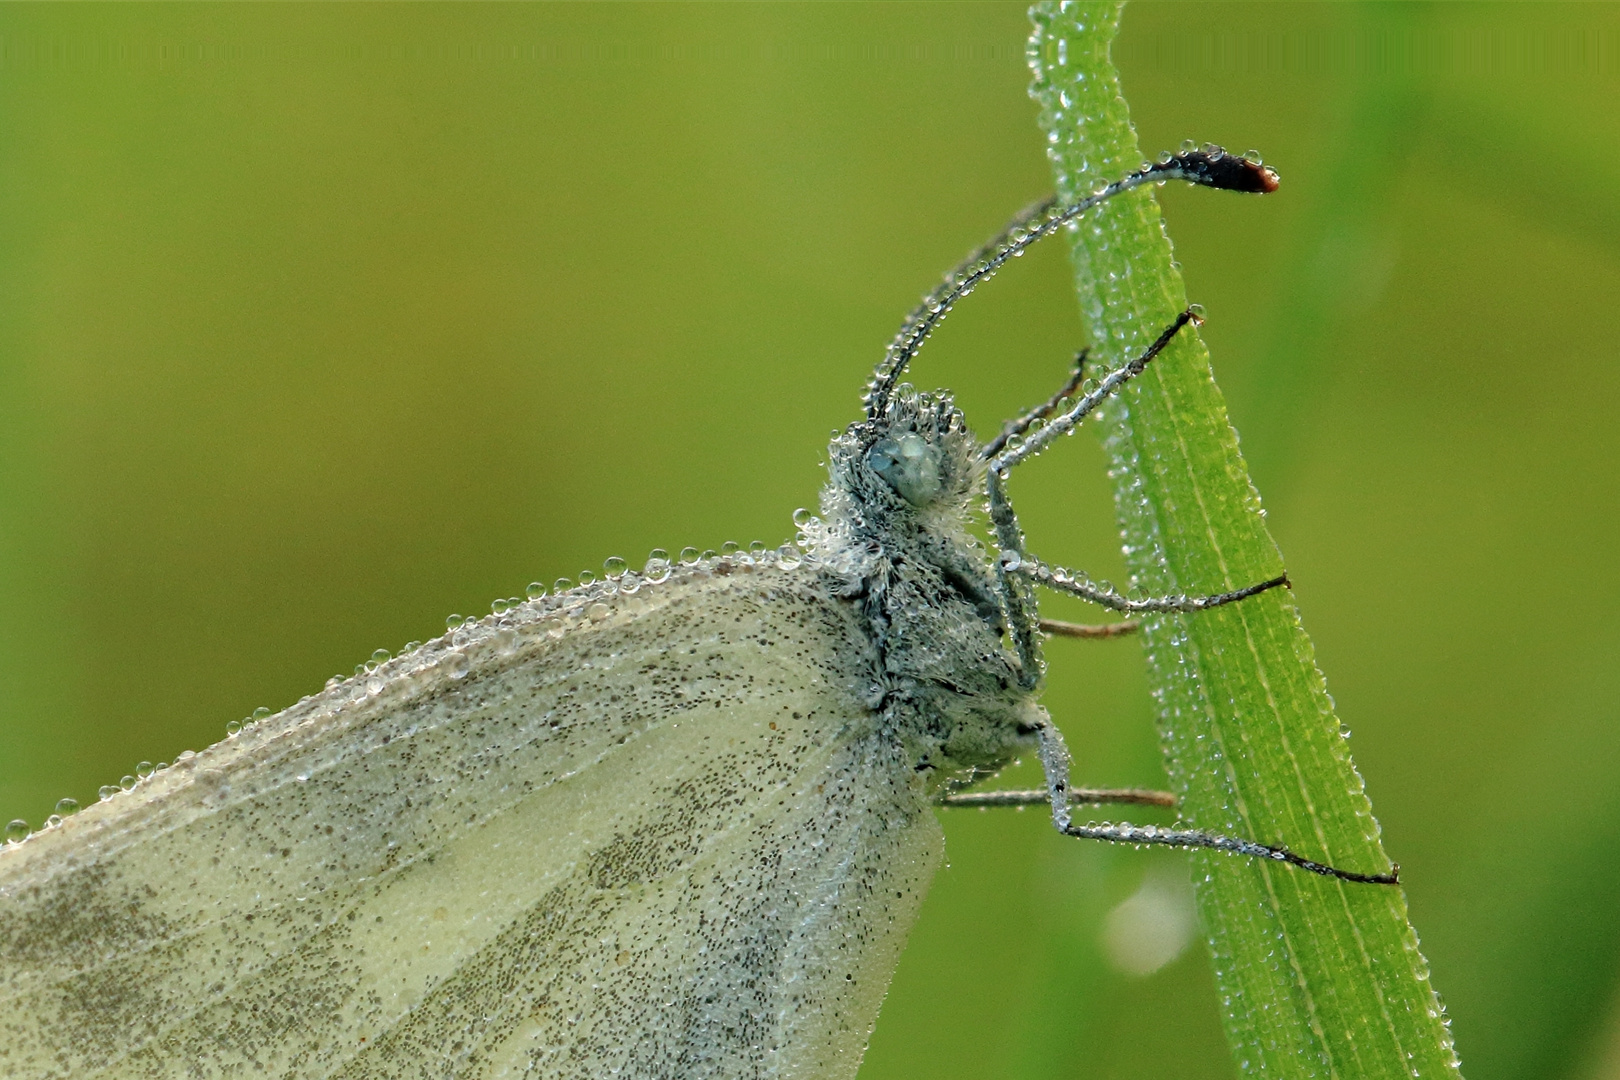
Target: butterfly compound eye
column 911, row 465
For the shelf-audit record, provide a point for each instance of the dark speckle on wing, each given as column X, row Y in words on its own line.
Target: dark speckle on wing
column 650, row 836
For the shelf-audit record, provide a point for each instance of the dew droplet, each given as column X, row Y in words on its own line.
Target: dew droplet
column 586, row 577
column 144, row 770
column 381, row 656
column 452, row 621
column 562, row 585
column 456, row 665
column 107, row 791
column 233, row 729
column 16, row 831
column 66, row 807
column 689, row 556
column 535, row 590
column 499, row 606
column 802, row 517
column 613, row 566
column 54, row 821
column 598, row 612
column 788, row 556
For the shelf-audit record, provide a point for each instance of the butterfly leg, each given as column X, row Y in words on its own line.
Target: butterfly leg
column 1059, row 628
column 1016, row 427
column 1023, row 620
column 1078, row 796
column 1002, row 459
column 1055, row 762
column 1019, row 607
column 1018, row 604
column 1019, row 610
column 1023, row 564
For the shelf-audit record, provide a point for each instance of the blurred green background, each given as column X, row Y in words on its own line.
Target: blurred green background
column 318, row 324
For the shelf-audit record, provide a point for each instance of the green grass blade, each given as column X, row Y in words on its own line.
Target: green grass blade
column 1317, row 977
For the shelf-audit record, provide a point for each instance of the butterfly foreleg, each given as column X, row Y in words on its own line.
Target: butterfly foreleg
column 1016, row 427
column 1002, row 459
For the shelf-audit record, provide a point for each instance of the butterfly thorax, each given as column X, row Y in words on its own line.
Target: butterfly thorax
column 895, row 530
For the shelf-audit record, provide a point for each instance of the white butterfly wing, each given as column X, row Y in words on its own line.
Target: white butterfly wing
column 658, row 835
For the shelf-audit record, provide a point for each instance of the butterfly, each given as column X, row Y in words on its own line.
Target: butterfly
column 675, row 823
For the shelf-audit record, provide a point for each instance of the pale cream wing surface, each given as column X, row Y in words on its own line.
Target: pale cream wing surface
column 649, row 835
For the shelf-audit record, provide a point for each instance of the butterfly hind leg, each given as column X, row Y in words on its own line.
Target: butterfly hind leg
column 1055, row 763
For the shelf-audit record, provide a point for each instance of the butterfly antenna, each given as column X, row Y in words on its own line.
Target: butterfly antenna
column 1208, row 167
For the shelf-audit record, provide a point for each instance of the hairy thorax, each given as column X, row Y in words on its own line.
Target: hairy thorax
column 895, row 527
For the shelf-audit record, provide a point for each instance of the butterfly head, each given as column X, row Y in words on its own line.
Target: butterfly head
column 917, row 455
